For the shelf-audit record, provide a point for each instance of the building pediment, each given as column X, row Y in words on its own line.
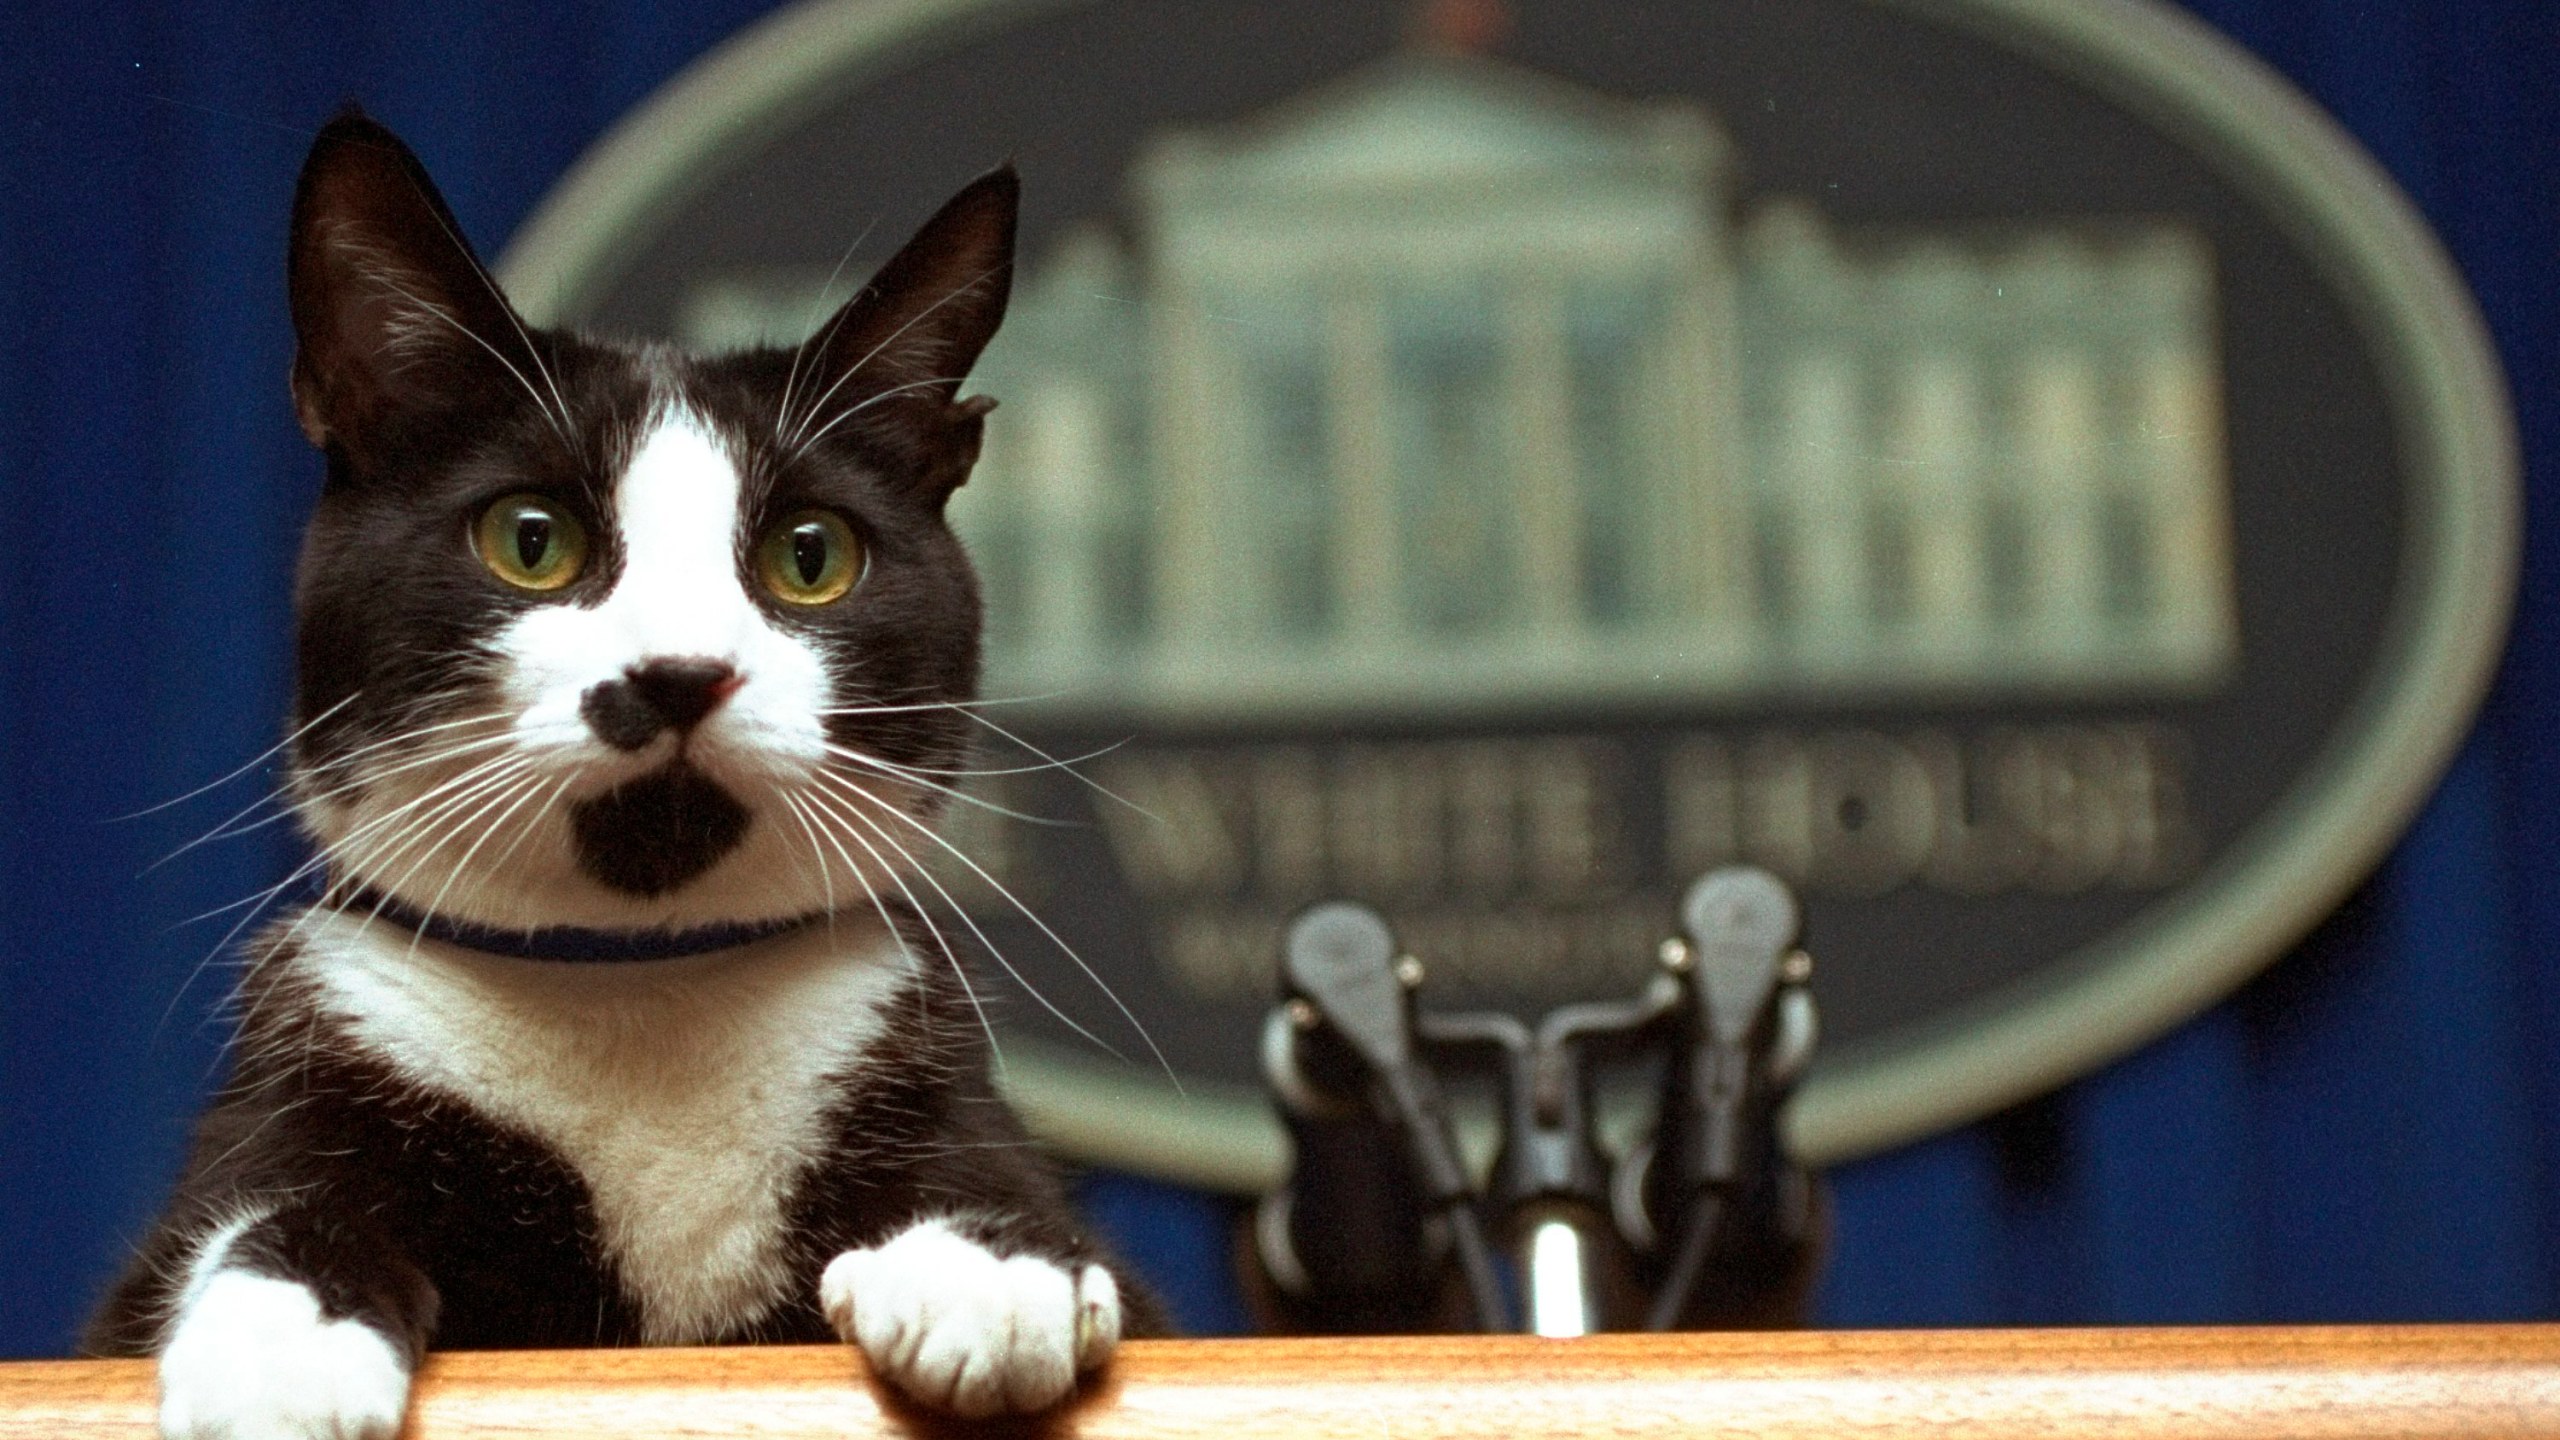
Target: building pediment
column 1429, row 121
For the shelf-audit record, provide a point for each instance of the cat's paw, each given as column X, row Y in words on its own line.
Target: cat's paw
column 955, row 1326
column 252, row 1358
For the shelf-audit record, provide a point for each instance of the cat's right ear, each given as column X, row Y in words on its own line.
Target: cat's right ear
column 393, row 316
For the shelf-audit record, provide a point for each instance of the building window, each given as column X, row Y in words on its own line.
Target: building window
column 1457, row 497
column 2124, row 559
column 1605, row 330
column 1290, row 472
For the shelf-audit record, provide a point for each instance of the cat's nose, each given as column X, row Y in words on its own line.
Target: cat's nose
column 670, row 693
column 683, row 690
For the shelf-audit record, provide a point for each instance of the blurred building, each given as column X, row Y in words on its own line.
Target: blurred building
column 1452, row 387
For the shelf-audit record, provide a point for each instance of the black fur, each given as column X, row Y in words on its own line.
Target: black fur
column 406, row 1208
column 392, row 610
column 659, row 831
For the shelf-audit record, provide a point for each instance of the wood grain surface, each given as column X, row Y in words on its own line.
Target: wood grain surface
column 2399, row 1381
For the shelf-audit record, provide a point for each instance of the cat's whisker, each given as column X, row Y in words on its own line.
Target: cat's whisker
column 342, row 895
column 826, row 878
column 866, row 403
column 892, row 338
column 533, row 352
column 368, row 766
column 278, row 748
column 901, row 768
column 928, row 877
column 408, row 735
column 533, row 823
column 903, row 709
column 230, row 827
column 1096, row 786
column 255, row 901
column 377, row 842
column 953, row 792
column 821, row 839
column 296, row 807
column 438, row 791
column 807, row 803
column 374, row 777
column 258, row 903
column 1048, row 762
column 811, row 331
column 531, row 826
column 430, row 835
column 226, row 830
column 321, row 859
column 812, row 829
column 940, row 941
column 385, row 767
column 445, row 316
column 525, row 789
column 857, row 794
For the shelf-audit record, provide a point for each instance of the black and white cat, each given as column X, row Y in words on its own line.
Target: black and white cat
column 629, row 686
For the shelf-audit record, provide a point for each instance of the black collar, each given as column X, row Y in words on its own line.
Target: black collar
column 574, row 943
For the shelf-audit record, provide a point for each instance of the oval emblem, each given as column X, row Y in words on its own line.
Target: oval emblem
column 2011, row 467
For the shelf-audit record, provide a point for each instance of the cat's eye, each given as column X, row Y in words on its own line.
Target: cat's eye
column 531, row 543
column 811, row 558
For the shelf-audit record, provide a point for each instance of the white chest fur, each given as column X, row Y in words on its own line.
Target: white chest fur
column 688, row 1094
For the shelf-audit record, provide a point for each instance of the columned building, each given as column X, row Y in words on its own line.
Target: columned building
column 1452, row 388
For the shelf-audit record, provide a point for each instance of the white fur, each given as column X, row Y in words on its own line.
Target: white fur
column 680, row 594
column 947, row 1321
column 214, row 1250
column 248, row 1357
column 688, row 1094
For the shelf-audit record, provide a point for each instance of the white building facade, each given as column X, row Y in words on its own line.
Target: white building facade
column 1455, row 390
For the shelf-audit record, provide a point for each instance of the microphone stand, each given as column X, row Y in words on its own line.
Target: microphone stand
column 1382, row 1206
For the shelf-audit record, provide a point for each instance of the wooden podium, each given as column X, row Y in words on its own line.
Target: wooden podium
column 2396, row 1381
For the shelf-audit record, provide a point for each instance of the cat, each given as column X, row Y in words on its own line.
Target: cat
column 629, row 683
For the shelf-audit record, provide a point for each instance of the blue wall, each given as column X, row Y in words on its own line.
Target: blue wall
column 2366, row 1132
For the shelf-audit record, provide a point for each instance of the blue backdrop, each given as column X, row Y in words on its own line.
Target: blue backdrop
column 2370, row 1131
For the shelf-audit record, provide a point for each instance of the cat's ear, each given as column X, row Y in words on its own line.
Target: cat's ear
column 900, row 349
column 393, row 315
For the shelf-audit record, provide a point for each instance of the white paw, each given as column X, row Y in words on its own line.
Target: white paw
column 251, row 1359
column 954, row 1326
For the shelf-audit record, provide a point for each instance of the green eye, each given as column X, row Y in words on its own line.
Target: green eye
column 531, row 543
column 811, row 558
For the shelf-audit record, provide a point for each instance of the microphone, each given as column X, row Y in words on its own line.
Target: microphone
column 1750, row 1028
column 1381, row 1206
column 1379, row 1174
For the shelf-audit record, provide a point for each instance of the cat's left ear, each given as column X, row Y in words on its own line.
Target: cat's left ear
column 899, row 350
